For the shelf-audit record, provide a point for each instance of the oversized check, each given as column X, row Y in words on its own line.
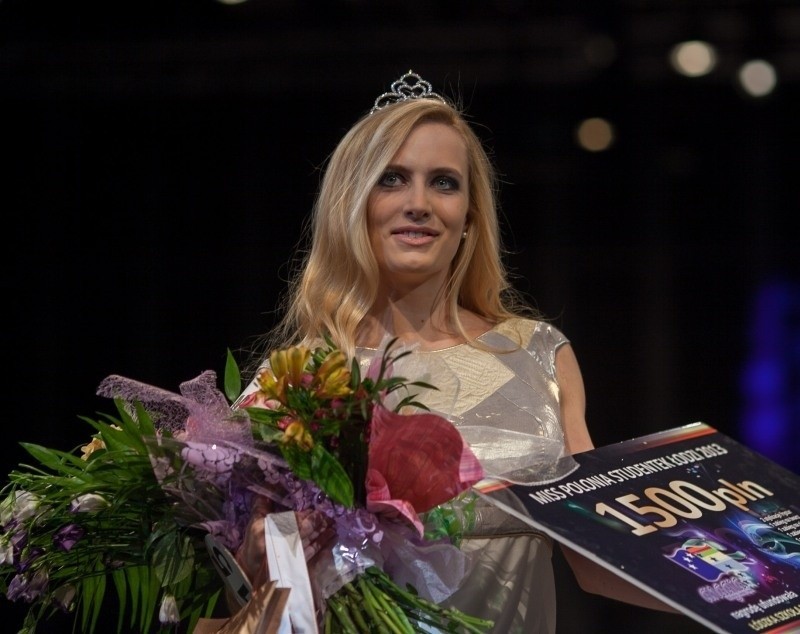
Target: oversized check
column 690, row 515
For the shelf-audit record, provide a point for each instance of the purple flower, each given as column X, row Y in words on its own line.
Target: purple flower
column 31, row 555
column 27, row 588
column 67, row 536
column 16, row 544
column 16, row 588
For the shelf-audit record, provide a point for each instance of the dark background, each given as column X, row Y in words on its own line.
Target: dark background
column 161, row 157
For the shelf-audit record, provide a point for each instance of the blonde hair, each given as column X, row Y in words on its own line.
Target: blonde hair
column 337, row 282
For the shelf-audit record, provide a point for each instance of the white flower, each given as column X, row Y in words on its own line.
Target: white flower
column 87, row 503
column 168, row 612
column 64, row 596
column 19, row 505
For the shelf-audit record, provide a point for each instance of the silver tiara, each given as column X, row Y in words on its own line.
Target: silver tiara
column 409, row 86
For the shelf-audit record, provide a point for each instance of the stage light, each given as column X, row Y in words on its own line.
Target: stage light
column 594, row 134
column 693, row 58
column 758, row 78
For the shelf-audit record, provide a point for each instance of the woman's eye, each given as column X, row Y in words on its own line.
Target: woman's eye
column 389, row 179
column 446, row 182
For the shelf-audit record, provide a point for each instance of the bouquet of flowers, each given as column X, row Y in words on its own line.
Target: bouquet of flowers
column 169, row 483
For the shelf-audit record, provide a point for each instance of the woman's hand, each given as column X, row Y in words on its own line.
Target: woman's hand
column 315, row 529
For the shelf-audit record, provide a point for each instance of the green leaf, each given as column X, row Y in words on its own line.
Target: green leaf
column 199, row 609
column 134, row 575
column 409, row 401
column 299, row 460
column 355, row 374
column 132, row 432
column 233, row 378
column 120, row 439
column 56, row 460
column 143, row 420
column 119, row 578
column 149, row 595
column 330, row 475
column 93, row 592
column 173, row 558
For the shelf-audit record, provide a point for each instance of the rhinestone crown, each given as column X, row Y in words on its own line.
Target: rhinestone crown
column 409, row 86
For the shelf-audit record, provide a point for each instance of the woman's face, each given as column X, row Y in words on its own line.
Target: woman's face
column 417, row 211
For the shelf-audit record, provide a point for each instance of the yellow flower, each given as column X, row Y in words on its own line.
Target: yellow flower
column 297, row 433
column 290, row 363
column 333, row 377
column 287, row 368
column 88, row 449
column 269, row 385
column 97, row 443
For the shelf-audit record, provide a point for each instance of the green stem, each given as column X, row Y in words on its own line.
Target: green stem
column 355, row 612
column 430, row 612
column 392, row 620
column 398, row 611
column 471, row 623
column 343, row 616
column 369, row 606
column 374, row 604
column 384, row 616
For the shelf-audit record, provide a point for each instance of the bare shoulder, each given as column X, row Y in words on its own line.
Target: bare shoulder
column 573, row 401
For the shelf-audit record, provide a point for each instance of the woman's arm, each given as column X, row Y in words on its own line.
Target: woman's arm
column 591, row 577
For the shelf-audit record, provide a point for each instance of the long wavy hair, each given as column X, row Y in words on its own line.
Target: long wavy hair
column 336, row 283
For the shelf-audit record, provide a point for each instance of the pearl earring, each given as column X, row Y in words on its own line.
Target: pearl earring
column 464, row 235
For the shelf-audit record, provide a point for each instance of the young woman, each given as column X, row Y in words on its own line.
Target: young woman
column 405, row 243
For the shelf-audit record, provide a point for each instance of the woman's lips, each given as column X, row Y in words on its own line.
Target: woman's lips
column 414, row 237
